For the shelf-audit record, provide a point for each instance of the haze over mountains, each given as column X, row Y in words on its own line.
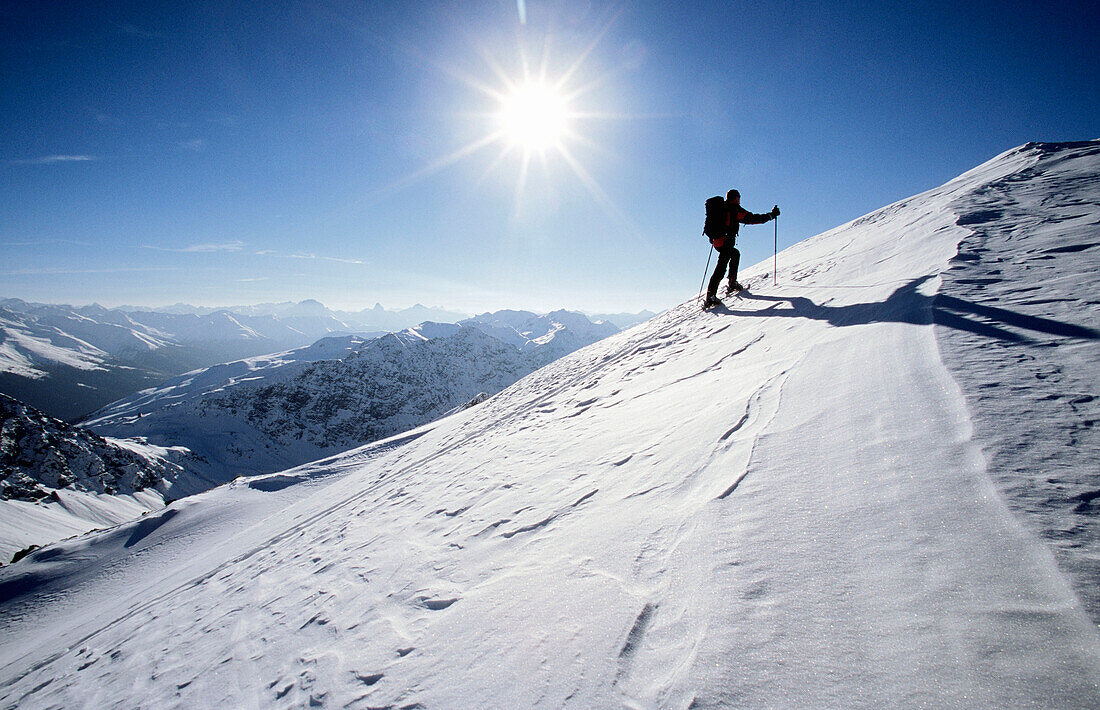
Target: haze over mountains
column 376, row 318
column 871, row 485
column 69, row 360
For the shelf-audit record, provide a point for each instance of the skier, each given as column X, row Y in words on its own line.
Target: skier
column 735, row 215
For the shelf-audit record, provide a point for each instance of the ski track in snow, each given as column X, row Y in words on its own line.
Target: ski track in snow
column 782, row 502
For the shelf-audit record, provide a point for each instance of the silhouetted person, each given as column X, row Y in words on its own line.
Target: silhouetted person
column 735, row 216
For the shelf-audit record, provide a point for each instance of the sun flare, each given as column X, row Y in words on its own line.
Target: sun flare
column 534, row 117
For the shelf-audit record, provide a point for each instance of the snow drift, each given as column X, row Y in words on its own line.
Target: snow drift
column 790, row 501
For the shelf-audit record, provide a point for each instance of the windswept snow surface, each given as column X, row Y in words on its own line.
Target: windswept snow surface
column 1025, row 281
column 782, row 502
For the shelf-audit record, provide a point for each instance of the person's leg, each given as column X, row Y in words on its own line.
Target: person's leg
column 719, row 272
column 735, row 261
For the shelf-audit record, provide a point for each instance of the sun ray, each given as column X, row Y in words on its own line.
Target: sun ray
column 504, row 152
column 506, row 81
column 472, row 82
column 533, row 113
column 590, row 144
column 521, row 182
column 544, row 65
column 567, row 75
column 598, row 193
column 436, row 166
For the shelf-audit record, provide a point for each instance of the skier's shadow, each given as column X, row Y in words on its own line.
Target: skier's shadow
column 908, row 305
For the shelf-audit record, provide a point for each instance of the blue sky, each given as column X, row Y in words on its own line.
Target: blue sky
column 230, row 153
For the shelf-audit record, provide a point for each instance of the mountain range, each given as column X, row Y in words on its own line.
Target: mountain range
column 68, row 361
column 376, row 318
column 71, row 360
column 263, row 414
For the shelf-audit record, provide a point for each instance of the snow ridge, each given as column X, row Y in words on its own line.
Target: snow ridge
column 1018, row 280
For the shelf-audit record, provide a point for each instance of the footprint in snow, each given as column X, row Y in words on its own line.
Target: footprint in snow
column 435, row 604
column 637, row 631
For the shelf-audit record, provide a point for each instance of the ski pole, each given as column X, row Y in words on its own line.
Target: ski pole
column 775, row 255
column 705, row 270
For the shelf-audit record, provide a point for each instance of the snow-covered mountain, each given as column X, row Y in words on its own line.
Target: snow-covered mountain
column 622, row 321
column 269, row 413
column 70, row 373
column 547, row 337
column 69, row 361
column 826, row 493
column 58, row 480
column 377, row 318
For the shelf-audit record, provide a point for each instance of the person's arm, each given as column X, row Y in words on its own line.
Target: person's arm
column 746, row 217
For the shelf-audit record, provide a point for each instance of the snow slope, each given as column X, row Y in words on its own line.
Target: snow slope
column 1025, row 281
column 784, row 502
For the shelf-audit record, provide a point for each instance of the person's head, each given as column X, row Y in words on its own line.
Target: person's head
column 733, row 196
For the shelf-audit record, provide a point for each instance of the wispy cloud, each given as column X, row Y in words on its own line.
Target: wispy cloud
column 62, row 271
column 135, row 31
column 228, row 246
column 239, row 246
column 46, row 242
column 323, row 258
column 197, row 144
column 200, row 248
column 307, row 256
column 54, row 159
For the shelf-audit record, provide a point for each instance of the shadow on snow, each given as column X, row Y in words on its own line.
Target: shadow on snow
column 908, row 305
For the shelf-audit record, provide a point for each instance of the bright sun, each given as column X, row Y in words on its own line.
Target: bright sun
column 534, row 117
column 537, row 114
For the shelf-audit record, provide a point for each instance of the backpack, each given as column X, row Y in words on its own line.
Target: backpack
column 715, row 224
